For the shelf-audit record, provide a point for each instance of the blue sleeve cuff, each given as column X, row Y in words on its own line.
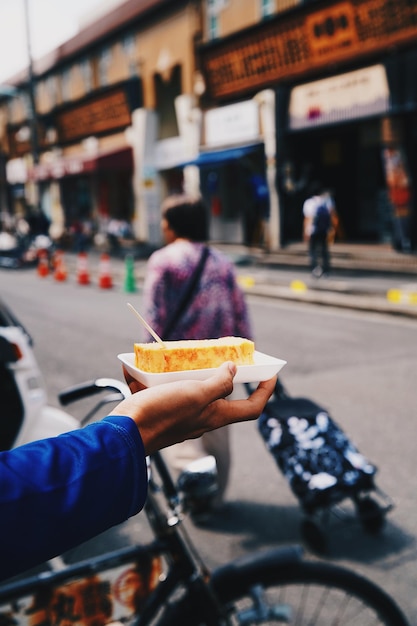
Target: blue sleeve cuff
column 129, row 431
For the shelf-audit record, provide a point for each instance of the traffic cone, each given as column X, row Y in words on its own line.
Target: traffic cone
column 83, row 275
column 60, row 272
column 105, row 279
column 43, row 264
column 130, row 283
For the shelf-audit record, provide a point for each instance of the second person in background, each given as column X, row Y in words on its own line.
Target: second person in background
column 191, row 292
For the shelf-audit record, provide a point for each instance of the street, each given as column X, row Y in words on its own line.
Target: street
column 360, row 366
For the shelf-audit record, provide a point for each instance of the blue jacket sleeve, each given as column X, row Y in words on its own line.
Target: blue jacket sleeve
column 59, row 492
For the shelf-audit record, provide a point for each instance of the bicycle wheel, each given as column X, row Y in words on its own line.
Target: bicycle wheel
column 303, row 593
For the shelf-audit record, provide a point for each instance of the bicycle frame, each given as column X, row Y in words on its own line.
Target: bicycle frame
column 130, row 586
column 57, row 593
column 50, row 592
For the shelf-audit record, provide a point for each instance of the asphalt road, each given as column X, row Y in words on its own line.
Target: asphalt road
column 360, row 366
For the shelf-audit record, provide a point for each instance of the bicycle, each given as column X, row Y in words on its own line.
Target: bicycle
column 166, row 582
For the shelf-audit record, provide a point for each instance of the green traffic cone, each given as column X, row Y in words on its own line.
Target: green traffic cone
column 130, row 283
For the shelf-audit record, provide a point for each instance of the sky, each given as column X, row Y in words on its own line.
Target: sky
column 51, row 23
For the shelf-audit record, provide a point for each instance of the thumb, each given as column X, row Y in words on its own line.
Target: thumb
column 220, row 384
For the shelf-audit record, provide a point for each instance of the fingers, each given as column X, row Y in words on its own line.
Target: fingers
column 242, row 410
column 219, row 385
column 175, row 411
column 133, row 384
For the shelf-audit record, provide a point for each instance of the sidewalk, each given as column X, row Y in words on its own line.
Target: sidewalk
column 375, row 259
column 363, row 277
column 367, row 278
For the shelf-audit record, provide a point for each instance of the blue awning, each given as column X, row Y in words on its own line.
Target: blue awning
column 219, row 157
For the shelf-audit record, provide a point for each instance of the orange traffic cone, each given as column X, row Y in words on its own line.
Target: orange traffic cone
column 43, row 264
column 105, row 280
column 83, row 275
column 60, row 272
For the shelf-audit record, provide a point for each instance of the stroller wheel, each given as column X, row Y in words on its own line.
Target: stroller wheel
column 313, row 535
column 370, row 514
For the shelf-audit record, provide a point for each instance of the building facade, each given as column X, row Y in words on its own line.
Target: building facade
column 343, row 78
column 107, row 134
column 249, row 103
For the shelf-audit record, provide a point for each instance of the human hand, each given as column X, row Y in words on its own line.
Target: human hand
column 172, row 412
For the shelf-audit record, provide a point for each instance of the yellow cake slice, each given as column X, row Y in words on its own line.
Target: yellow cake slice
column 192, row 354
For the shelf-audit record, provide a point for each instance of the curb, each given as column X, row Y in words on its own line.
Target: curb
column 371, row 304
column 338, row 295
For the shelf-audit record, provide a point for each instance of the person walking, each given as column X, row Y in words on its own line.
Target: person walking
column 319, row 218
column 191, row 292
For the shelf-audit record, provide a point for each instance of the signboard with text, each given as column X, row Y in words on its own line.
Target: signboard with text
column 104, row 113
column 295, row 44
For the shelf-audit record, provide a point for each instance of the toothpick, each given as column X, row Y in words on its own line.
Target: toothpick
column 146, row 325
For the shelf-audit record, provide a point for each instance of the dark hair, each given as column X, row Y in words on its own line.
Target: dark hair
column 186, row 216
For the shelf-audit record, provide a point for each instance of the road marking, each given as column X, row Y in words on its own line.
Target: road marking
column 246, row 281
column 405, row 296
column 298, row 285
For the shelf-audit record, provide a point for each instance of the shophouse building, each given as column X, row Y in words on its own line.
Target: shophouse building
column 109, row 108
column 341, row 78
column 246, row 101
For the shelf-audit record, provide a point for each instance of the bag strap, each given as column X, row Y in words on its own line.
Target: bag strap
column 186, row 294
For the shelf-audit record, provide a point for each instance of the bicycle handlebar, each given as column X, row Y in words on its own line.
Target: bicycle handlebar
column 89, row 388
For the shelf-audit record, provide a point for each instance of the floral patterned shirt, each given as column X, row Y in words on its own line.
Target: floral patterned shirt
column 218, row 307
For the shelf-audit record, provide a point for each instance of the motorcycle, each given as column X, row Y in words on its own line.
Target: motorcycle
column 26, row 413
column 17, row 251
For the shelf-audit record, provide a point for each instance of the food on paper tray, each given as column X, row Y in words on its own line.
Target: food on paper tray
column 193, row 354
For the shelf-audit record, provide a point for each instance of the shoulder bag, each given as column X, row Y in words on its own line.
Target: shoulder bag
column 187, row 294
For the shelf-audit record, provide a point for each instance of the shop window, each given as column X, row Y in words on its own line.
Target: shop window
column 267, row 8
column 166, row 90
column 14, row 108
column 213, row 8
column 66, row 84
column 104, row 66
column 129, row 52
column 52, row 90
column 86, row 72
column 129, row 45
column 213, row 27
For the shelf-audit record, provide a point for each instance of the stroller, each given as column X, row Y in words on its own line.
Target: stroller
column 322, row 466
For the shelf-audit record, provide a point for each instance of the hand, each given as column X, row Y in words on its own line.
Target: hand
column 170, row 413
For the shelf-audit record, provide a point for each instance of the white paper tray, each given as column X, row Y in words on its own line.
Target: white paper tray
column 265, row 367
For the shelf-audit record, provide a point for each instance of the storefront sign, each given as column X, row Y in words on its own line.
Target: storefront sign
column 61, row 166
column 16, row 171
column 102, row 114
column 169, row 153
column 292, row 45
column 58, row 168
column 235, row 123
column 347, row 96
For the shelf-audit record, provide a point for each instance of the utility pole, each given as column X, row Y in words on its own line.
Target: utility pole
column 31, row 90
column 33, row 118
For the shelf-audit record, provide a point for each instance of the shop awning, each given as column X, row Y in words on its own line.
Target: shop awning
column 59, row 167
column 220, row 157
